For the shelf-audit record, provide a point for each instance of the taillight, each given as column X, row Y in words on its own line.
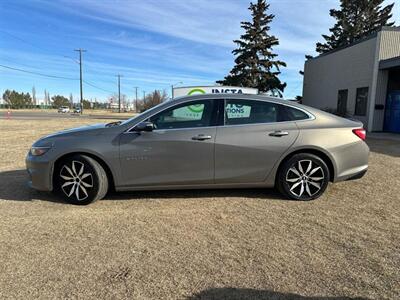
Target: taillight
column 360, row 132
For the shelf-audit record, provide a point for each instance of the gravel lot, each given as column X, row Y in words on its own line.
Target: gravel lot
column 224, row 244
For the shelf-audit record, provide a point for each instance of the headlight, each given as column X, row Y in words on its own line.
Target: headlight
column 37, row 151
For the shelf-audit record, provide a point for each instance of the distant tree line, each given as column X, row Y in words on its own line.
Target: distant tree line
column 17, row 100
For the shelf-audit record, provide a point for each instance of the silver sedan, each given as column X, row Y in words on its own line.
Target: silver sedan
column 206, row 141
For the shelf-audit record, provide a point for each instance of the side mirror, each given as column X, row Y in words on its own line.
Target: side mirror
column 144, row 126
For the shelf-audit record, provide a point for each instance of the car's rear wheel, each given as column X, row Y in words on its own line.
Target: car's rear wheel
column 80, row 179
column 304, row 177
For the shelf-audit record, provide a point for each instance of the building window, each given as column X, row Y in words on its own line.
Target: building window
column 342, row 102
column 361, row 102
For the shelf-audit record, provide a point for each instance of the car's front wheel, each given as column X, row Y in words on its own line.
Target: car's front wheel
column 80, row 179
column 304, row 177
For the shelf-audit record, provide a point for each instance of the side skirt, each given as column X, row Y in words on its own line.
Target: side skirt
column 189, row 187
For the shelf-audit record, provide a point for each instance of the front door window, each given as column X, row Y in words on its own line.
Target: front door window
column 195, row 114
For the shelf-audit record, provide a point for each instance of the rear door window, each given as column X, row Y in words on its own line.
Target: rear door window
column 238, row 112
column 294, row 114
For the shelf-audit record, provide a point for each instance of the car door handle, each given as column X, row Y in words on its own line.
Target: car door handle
column 279, row 133
column 201, row 137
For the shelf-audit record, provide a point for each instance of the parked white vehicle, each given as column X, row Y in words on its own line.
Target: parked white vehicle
column 63, row 109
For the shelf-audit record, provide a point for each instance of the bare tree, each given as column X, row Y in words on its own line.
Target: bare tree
column 152, row 99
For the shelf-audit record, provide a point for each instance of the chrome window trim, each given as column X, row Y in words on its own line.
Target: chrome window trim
column 188, row 128
column 310, row 115
column 174, row 129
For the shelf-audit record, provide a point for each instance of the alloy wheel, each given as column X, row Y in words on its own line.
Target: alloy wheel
column 305, row 178
column 75, row 182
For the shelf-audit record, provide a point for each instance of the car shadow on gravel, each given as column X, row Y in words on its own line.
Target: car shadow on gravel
column 14, row 186
column 250, row 294
column 265, row 194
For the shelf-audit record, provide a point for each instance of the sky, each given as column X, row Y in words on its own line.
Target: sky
column 151, row 43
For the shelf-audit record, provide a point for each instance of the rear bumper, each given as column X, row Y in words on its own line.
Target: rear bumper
column 351, row 161
column 39, row 171
column 358, row 175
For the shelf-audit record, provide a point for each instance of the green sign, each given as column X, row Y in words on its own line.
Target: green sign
column 196, row 91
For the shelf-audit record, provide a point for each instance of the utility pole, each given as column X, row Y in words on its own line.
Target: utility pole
column 80, row 73
column 119, row 92
column 136, row 101
column 144, row 95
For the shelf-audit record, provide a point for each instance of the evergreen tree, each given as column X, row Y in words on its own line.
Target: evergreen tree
column 58, row 101
column 256, row 64
column 354, row 20
column 17, row 100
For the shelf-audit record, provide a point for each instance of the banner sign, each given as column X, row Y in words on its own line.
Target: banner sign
column 199, row 90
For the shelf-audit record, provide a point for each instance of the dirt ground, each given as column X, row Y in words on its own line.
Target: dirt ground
column 224, row 244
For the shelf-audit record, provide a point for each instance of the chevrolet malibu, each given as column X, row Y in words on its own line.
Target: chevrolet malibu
column 204, row 141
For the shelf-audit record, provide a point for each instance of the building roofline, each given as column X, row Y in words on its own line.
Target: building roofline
column 364, row 39
column 393, row 62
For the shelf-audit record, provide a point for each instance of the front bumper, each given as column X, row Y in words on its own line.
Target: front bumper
column 40, row 172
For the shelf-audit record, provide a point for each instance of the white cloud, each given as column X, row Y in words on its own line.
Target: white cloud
column 155, row 42
column 206, row 21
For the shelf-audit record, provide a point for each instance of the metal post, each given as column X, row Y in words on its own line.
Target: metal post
column 136, row 100
column 172, row 88
column 80, row 75
column 119, row 92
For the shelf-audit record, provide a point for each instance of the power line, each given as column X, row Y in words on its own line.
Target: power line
column 35, row 46
column 43, row 49
column 37, row 73
column 92, row 85
column 54, row 76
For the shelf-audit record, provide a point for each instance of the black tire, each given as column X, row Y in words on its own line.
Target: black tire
column 80, row 180
column 306, row 185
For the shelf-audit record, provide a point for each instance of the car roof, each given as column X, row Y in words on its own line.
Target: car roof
column 239, row 96
column 231, row 96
